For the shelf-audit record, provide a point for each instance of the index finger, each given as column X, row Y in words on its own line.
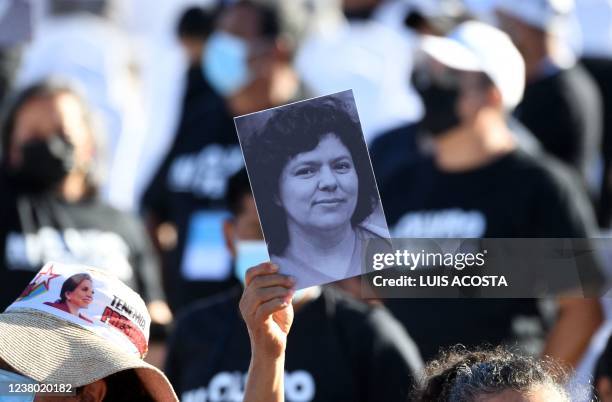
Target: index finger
column 264, row 268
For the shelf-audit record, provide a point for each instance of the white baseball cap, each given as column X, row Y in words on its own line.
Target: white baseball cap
column 547, row 15
column 438, row 8
column 476, row 46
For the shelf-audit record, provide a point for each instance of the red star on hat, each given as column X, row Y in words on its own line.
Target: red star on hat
column 35, row 285
column 45, row 272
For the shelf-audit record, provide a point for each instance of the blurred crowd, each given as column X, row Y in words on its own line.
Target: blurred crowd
column 118, row 150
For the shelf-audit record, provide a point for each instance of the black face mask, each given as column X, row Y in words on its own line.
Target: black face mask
column 359, row 14
column 44, row 164
column 440, row 107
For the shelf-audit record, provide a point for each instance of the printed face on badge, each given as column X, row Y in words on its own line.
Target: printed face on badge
column 91, row 298
column 82, row 296
column 76, row 294
column 318, row 189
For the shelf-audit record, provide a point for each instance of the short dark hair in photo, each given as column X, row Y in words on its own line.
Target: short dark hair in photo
column 292, row 130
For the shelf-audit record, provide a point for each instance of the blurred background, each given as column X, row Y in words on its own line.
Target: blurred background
column 157, row 84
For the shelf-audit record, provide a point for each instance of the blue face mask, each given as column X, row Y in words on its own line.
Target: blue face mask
column 253, row 252
column 11, row 385
column 225, row 63
column 248, row 254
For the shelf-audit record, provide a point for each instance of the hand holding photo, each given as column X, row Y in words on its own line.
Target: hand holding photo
column 314, row 187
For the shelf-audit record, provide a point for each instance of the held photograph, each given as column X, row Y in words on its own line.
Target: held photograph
column 314, row 187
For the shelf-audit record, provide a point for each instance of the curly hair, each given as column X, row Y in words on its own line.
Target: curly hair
column 292, row 130
column 459, row 375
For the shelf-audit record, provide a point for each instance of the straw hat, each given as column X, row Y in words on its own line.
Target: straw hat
column 76, row 325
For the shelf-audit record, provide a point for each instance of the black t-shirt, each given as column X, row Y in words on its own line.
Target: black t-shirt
column 339, row 349
column 393, row 148
column 406, row 144
column 516, row 195
column 197, row 89
column 189, row 189
column 601, row 70
column 563, row 110
column 35, row 229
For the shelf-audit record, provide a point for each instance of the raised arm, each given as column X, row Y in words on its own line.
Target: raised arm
column 266, row 308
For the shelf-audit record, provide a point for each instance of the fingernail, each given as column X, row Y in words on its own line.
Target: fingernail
column 273, row 267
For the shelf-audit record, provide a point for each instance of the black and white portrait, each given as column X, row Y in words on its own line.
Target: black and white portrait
column 314, row 188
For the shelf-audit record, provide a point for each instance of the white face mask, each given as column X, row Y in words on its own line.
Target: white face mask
column 12, row 386
column 225, row 63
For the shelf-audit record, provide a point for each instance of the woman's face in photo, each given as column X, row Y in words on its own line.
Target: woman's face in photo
column 318, row 189
column 82, row 296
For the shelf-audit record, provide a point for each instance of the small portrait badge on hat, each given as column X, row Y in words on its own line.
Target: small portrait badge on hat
column 91, row 298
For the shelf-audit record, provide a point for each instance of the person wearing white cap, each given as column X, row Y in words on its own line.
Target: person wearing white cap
column 478, row 183
column 556, row 85
column 46, row 351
